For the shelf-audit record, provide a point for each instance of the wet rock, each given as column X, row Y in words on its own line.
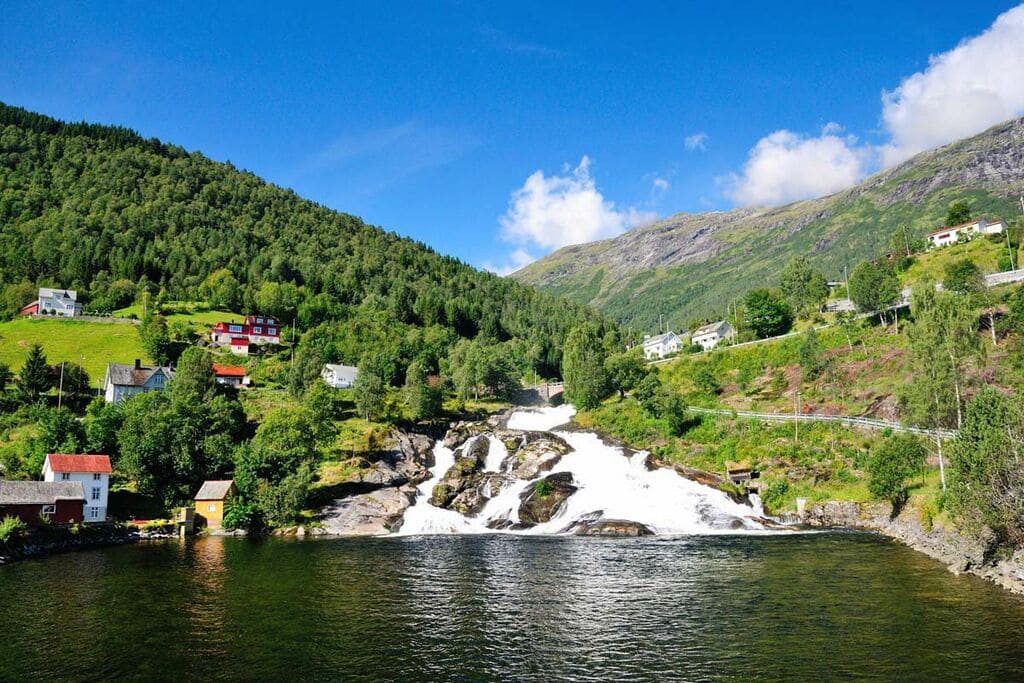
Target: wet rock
column 367, row 514
column 417, row 448
column 533, row 452
column 835, row 513
column 612, row 527
column 542, row 500
column 481, row 487
column 464, row 476
column 381, row 474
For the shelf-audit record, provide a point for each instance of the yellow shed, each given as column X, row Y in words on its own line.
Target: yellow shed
column 210, row 501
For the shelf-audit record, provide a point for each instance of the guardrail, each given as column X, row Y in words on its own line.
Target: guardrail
column 867, row 422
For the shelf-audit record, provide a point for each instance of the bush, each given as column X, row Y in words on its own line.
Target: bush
column 242, row 516
column 773, row 493
column 12, row 530
column 895, row 460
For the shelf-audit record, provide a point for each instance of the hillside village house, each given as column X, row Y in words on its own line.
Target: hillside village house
column 709, row 336
column 978, row 226
column 91, row 471
column 230, row 375
column 662, row 345
column 59, row 302
column 211, row 500
column 123, row 380
column 255, row 329
column 60, row 502
column 339, row 376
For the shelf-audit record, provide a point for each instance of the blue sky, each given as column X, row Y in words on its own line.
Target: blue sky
column 498, row 131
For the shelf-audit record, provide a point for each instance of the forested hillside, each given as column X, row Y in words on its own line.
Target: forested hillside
column 693, row 265
column 104, row 211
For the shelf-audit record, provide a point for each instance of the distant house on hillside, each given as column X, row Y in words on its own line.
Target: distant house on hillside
column 662, row 345
column 123, row 380
column 91, row 471
column 60, row 502
column 211, row 500
column 953, row 233
column 255, row 329
column 230, row 375
column 339, row 376
column 62, row 303
column 709, row 336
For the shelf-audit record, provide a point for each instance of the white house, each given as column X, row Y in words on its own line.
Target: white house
column 58, row 302
column 92, row 471
column 978, row 226
column 709, row 336
column 662, row 345
column 339, row 376
column 123, row 380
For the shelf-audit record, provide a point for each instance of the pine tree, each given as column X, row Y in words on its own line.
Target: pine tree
column 35, row 377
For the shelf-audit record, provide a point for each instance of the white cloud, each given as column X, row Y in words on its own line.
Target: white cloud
column 552, row 212
column 697, row 141
column 786, row 166
column 962, row 92
column 520, row 258
column 659, row 186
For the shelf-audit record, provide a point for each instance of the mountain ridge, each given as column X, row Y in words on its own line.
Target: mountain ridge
column 693, row 264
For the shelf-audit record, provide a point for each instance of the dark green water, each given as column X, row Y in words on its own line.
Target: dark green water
column 810, row 607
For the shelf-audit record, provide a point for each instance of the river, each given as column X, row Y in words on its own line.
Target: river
column 506, row 607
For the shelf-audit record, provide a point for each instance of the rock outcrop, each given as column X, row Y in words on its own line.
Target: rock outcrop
column 368, row 514
column 532, row 453
column 542, row 500
column 460, row 488
column 612, row 528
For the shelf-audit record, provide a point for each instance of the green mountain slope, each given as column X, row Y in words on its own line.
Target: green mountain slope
column 694, row 264
column 104, row 211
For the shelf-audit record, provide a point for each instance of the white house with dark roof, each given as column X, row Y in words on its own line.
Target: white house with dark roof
column 711, row 335
column 662, row 345
column 952, row 234
column 92, row 471
column 62, row 303
column 339, row 376
column 124, row 380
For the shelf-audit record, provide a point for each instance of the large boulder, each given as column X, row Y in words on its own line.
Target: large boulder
column 368, row 514
column 533, row 453
column 612, row 527
column 464, row 475
column 542, row 501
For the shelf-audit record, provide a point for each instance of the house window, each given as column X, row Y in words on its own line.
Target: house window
column 49, row 510
column 235, row 328
column 65, row 476
column 257, row 330
column 94, row 513
column 271, row 331
column 212, row 507
column 95, row 492
column 96, row 476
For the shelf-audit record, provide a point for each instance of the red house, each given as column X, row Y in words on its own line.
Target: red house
column 59, row 501
column 256, row 329
column 231, row 375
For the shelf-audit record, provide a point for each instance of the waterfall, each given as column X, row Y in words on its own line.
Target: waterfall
column 610, row 486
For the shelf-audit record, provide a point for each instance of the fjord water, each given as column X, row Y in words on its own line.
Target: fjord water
column 503, row 607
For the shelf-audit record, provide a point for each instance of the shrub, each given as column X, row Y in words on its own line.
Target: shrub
column 242, row 516
column 895, row 460
column 11, row 531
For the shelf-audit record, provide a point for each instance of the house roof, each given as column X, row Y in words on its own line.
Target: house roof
column 710, row 328
column 228, row 370
column 126, row 374
column 64, row 462
column 347, row 372
column 239, row 341
column 214, row 489
column 58, row 293
column 658, row 339
column 39, row 492
column 949, row 228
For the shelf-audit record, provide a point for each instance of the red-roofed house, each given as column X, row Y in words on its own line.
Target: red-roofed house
column 231, row 375
column 93, row 471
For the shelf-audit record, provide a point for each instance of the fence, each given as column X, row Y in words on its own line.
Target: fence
column 866, row 422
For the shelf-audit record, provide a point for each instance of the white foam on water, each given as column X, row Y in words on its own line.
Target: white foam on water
column 610, row 485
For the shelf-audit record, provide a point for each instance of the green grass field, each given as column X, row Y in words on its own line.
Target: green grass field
column 92, row 345
column 192, row 311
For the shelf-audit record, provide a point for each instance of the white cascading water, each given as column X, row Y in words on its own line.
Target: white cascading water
column 609, row 483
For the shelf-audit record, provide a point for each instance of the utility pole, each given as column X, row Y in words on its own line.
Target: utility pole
column 796, row 417
column 906, row 239
column 60, row 387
